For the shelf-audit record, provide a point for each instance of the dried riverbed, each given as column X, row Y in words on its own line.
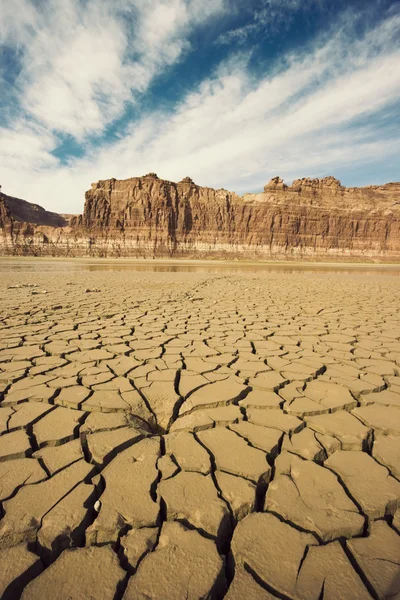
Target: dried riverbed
column 173, row 435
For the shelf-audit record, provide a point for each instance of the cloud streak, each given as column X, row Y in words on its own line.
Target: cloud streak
column 314, row 113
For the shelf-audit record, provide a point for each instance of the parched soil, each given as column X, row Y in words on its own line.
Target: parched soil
column 188, row 435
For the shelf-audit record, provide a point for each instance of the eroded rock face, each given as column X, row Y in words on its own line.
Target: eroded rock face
column 147, row 216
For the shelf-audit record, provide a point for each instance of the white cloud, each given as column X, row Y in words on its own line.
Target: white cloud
column 83, row 61
column 234, row 131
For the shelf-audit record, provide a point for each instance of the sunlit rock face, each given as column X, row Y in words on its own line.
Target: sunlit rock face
column 150, row 217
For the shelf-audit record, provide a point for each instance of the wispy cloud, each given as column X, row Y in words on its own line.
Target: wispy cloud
column 83, row 61
column 313, row 114
column 269, row 15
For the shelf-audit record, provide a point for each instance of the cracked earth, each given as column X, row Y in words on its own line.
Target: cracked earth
column 185, row 435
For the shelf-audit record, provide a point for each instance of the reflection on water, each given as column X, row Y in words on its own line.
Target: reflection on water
column 32, row 264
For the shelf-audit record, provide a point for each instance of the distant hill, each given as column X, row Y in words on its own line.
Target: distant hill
column 26, row 212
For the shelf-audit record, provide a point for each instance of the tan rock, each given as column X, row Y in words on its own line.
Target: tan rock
column 137, row 543
column 378, row 557
column 14, row 445
column 305, row 444
column 352, row 434
column 58, row 426
column 238, row 492
column 64, row 525
column 188, row 453
column 368, row 482
column 24, row 512
column 233, row 455
column 386, row 450
column 58, row 457
column 320, row 571
column 126, row 499
column 18, row 472
column 275, row 419
column 184, row 565
column 311, row 497
column 263, row 438
column 18, row 567
column 192, row 498
column 311, row 218
column 96, row 574
column 270, row 549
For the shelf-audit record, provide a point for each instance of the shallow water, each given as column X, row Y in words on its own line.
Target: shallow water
column 25, row 265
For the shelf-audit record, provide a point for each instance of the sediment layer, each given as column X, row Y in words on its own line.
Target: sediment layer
column 316, row 219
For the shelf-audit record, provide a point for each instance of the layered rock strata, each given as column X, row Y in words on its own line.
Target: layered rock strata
column 146, row 216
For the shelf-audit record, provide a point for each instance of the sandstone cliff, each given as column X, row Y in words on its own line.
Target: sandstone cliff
column 146, row 216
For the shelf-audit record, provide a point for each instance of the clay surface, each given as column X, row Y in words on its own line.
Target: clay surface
column 211, row 435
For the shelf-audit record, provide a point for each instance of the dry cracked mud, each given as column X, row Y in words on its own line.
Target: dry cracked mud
column 185, row 435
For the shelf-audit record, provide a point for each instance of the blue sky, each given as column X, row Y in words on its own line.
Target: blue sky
column 228, row 92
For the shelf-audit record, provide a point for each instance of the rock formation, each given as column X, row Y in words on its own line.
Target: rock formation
column 146, row 216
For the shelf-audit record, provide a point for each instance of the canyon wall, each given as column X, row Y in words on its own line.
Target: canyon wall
column 316, row 219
